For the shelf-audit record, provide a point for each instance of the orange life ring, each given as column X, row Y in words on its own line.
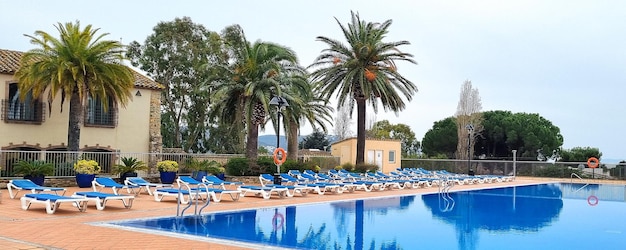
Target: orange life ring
column 593, row 162
column 592, row 200
column 278, row 221
column 282, row 160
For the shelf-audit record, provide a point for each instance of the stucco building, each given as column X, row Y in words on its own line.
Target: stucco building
column 383, row 152
column 34, row 126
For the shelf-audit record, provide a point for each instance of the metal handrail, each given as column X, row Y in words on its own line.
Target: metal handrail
column 194, row 200
column 572, row 177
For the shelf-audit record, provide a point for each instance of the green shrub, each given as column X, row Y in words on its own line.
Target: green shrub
column 290, row 165
column 556, row 171
column 618, row 171
column 364, row 167
column 237, row 166
column 265, row 165
column 348, row 166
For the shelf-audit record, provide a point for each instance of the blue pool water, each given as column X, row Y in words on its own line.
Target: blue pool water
column 548, row 216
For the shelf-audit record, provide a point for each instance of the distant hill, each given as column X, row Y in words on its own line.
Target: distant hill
column 270, row 140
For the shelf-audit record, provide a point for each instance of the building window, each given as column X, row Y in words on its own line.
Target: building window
column 18, row 110
column 392, row 156
column 97, row 115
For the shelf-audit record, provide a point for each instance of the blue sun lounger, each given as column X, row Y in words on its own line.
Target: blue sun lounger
column 144, row 185
column 214, row 181
column 25, row 184
column 101, row 198
column 265, row 192
column 215, row 193
column 52, row 201
column 105, row 182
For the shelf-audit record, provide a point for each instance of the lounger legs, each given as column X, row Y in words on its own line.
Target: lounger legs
column 51, row 207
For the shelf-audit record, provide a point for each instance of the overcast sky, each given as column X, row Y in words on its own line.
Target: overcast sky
column 565, row 60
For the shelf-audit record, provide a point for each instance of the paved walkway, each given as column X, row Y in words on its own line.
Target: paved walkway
column 69, row 229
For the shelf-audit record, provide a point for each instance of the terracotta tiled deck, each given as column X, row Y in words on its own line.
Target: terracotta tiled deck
column 68, row 228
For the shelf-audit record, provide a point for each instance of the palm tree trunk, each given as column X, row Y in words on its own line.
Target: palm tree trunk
column 292, row 141
column 360, row 134
column 74, row 123
column 252, row 144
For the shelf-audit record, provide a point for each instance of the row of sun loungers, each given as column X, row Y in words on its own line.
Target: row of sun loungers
column 210, row 187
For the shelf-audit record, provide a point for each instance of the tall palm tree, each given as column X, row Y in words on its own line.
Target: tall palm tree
column 250, row 79
column 363, row 70
column 79, row 65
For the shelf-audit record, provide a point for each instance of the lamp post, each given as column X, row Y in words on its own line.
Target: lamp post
column 514, row 161
column 280, row 103
column 470, row 130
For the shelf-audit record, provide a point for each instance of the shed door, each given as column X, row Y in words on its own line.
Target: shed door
column 379, row 159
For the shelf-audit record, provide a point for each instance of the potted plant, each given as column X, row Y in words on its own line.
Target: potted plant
column 129, row 167
column 86, row 171
column 216, row 169
column 35, row 171
column 199, row 168
column 167, row 170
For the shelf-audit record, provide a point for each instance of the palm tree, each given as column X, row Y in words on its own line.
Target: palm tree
column 362, row 71
column 79, row 65
column 304, row 106
column 250, row 78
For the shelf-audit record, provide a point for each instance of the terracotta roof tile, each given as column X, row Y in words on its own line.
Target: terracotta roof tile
column 10, row 62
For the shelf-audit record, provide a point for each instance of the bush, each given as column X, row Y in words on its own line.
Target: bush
column 265, row 165
column 167, row 166
column 348, row 166
column 237, row 166
column 556, row 171
column 87, row 167
column 365, row 167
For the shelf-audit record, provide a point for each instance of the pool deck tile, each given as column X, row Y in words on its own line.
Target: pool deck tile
column 70, row 229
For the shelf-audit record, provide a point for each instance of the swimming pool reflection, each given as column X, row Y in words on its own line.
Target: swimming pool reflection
column 479, row 219
column 525, row 208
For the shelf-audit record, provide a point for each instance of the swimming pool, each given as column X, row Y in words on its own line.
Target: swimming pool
column 558, row 215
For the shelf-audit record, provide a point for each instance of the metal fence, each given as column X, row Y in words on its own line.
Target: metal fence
column 63, row 161
column 521, row 168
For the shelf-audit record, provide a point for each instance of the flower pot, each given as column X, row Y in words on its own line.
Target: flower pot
column 197, row 175
column 123, row 176
column 167, row 177
column 84, row 180
column 36, row 179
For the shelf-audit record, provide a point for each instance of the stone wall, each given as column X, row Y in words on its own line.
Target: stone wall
column 156, row 140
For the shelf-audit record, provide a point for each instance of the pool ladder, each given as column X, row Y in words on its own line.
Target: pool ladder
column 194, row 198
column 575, row 175
column 444, row 194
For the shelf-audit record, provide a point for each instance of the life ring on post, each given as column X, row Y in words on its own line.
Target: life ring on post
column 592, row 200
column 593, row 162
column 278, row 221
column 280, row 161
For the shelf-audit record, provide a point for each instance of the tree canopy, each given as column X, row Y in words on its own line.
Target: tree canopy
column 175, row 55
column 316, row 140
column 503, row 131
column 579, row 154
column 441, row 139
column 385, row 130
column 79, row 65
